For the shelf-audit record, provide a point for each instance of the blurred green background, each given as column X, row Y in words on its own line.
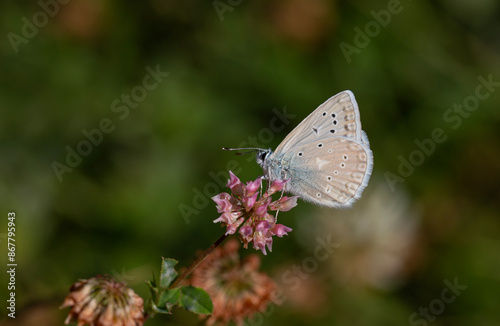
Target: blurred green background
column 229, row 64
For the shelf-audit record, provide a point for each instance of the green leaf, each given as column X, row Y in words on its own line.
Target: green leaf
column 167, row 273
column 154, row 279
column 153, row 289
column 169, row 298
column 159, row 310
column 196, row 300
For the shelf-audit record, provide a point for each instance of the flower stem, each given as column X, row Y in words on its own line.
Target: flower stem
column 195, row 264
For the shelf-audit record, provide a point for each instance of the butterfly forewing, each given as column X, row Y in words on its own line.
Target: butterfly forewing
column 336, row 117
column 331, row 172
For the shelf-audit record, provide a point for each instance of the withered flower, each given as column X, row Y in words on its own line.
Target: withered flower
column 237, row 288
column 101, row 301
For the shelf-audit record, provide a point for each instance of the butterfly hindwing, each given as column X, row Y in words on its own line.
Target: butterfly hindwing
column 331, row 172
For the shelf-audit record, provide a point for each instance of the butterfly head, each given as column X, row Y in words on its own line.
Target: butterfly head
column 262, row 155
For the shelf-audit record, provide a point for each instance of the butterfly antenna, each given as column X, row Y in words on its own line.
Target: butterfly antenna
column 246, row 149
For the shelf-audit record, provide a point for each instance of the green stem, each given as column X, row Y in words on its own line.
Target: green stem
column 198, row 261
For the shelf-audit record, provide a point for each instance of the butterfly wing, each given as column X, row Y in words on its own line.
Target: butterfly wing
column 336, row 117
column 327, row 156
column 331, row 172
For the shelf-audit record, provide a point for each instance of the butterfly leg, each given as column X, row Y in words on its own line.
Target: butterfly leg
column 276, row 216
column 262, row 178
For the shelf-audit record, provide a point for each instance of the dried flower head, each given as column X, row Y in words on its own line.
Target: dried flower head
column 244, row 210
column 101, row 301
column 237, row 288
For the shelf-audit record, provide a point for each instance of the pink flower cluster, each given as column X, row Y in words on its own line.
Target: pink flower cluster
column 244, row 210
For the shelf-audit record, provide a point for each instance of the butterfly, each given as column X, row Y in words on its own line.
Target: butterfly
column 326, row 158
